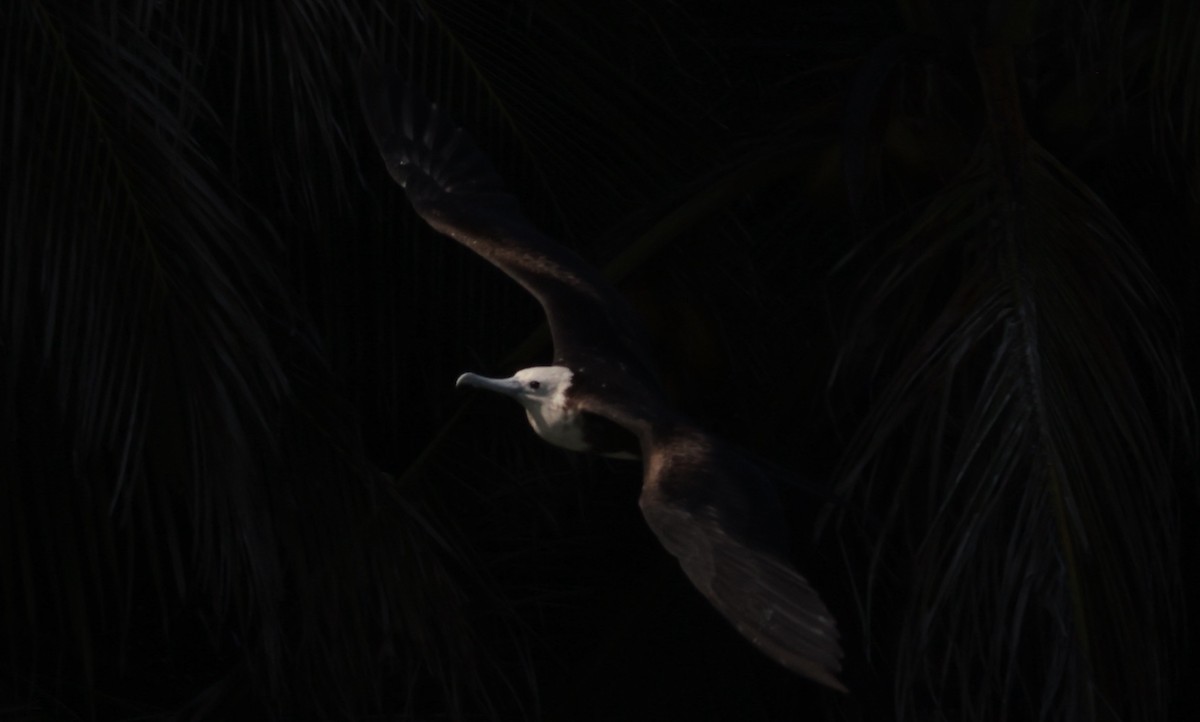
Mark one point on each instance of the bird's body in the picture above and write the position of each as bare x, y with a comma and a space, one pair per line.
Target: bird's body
712, 506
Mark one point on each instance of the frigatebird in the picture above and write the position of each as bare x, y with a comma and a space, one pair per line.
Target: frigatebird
710, 504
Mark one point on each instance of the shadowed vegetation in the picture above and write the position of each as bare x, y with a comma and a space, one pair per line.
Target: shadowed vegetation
928, 256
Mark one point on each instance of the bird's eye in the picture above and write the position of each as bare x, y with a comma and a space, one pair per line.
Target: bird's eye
535, 385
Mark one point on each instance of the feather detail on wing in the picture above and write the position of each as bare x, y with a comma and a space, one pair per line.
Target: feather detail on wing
454, 187
713, 509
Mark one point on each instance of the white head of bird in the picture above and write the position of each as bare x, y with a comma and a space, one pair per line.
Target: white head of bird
542, 390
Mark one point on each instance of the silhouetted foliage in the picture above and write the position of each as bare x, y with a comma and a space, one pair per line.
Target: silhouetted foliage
235, 478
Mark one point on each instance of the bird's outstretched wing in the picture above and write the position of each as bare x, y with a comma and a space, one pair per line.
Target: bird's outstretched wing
455, 188
699, 496
713, 508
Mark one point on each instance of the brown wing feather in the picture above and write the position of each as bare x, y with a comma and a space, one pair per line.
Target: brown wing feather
702, 499
709, 508
454, 187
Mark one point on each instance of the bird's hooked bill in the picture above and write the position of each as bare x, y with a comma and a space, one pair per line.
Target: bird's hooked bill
508, 387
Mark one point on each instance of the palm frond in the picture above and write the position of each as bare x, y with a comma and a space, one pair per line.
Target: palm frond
154, 338
1014, 466
1171, 67
219, 323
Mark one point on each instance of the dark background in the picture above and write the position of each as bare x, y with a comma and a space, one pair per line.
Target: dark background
935, 259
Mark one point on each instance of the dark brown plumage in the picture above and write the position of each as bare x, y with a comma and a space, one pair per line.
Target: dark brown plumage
713, 507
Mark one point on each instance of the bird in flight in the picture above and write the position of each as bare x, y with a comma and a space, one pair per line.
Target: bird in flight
711, 505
